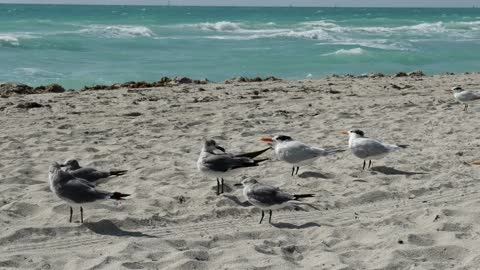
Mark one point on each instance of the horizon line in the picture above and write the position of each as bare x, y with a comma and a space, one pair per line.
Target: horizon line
233, 6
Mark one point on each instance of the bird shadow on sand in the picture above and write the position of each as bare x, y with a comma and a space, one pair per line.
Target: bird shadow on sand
106, 227
314, 175
284, 225
393, 171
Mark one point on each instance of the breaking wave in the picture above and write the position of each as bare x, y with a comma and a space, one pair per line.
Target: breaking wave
118, 31
354, 51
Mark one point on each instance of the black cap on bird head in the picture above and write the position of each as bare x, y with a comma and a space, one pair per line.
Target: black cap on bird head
211, 145
282, 138
358, 132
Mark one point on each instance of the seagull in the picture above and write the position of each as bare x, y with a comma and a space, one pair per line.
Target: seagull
297, 153
221, 164
366, 148
465, 96
268, 197
76, 191
90, 174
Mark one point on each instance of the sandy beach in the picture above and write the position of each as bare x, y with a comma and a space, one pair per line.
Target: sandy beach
418, 208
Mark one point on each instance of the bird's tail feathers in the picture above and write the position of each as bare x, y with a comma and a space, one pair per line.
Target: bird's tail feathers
299, 196
118, 196
333, 151
403, 146
118, 173
260, 160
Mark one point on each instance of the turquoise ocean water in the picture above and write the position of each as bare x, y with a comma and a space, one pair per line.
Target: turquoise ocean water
85, 45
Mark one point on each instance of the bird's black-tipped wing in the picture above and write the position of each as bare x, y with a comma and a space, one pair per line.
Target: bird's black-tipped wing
224, 163
253, 154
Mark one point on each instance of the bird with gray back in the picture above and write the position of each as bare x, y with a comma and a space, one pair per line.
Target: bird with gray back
465, 96
76, 191
270, 198
215, 162
369, 149
90, 174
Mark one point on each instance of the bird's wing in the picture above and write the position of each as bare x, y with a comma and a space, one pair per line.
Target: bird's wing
81, 191
296, 152
89, 174
369, 147
468, 96
265, 194
225, 162
253, 154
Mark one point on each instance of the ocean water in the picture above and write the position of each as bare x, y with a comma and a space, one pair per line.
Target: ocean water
85, 45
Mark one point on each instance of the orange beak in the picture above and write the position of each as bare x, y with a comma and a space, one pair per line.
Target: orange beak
344, 132
266, 139
475, 163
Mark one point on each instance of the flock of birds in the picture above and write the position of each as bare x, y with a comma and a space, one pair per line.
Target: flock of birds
77, 185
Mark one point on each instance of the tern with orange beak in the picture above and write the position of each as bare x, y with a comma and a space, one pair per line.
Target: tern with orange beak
297, 153
214, 161
465, 96
369, 149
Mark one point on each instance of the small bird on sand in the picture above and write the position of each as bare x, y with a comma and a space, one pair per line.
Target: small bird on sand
369, 149
90, 174
76, 191
465, 96
220, 164
270, 198
297, 153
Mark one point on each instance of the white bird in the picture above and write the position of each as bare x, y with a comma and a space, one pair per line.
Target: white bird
76, 191
369, 149
297, 153
268, 197
219, 164
465, 96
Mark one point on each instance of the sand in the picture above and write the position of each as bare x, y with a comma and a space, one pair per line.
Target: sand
418, 208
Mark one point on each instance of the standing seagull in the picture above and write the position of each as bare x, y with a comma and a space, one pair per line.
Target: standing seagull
89, 174
370, 149
76, 190
268, 197
465, 96
297, 153
221, 164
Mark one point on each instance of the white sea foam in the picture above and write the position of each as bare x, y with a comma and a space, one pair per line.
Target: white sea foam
9, 40
223, 26
36, 72
354, 51
119, 31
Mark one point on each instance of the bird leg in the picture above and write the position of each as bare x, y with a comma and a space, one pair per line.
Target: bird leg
370, 163
263, 214
297, 170
81, 214
218, 187
364, 163
466, 108
222, 185
71, 214
270, 217
293, 170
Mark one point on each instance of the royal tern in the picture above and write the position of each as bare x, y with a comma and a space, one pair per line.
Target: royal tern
89, 174
465, 96
297, 153
268, 197
369, 149
220, 164
76, 191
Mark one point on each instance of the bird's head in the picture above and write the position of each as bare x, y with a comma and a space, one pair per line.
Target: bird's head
356, 133
456, 89
71, 164
211, 146
277, 139
249, 182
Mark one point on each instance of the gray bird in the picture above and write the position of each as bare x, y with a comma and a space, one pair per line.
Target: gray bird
90, 174
369, 149
270, 198
76, 191
220, 164
465, 96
